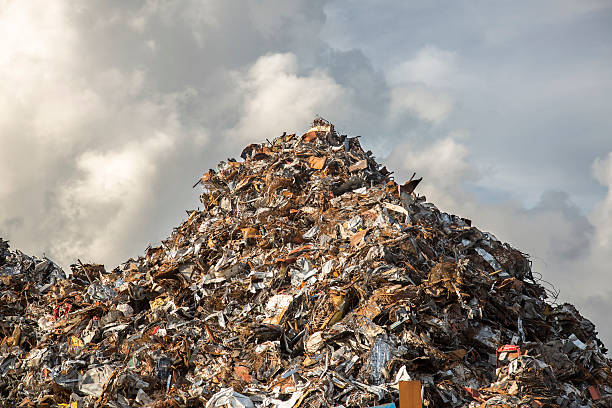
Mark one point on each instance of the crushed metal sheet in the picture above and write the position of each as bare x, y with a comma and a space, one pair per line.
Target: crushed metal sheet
310, 278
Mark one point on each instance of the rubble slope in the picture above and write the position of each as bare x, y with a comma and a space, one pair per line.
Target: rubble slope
309, 278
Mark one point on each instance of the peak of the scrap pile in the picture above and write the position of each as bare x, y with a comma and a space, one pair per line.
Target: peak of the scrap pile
323, 135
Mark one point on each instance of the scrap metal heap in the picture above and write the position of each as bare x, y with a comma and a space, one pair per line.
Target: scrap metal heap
310, 278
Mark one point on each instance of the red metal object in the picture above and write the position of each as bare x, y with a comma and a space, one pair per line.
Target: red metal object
472, 392
507, 352
594, 393
61, 310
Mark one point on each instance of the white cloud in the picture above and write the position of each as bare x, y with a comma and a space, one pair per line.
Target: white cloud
420, 85
276, 97
109, 196
152, 45
80, 163
424, 103
78, 146
430, 66
33, 34
602, 217
444, 164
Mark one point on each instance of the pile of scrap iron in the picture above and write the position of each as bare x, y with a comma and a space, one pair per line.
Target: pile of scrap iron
310, 278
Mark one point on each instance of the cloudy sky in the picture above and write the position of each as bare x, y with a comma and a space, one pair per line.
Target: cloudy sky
109, 111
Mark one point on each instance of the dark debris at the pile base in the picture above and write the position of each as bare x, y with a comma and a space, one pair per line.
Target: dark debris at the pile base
309, 279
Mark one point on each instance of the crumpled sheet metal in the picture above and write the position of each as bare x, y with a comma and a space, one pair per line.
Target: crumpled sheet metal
227, 397
310, 278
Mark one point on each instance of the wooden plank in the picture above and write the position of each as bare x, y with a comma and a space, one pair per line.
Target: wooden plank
410, 394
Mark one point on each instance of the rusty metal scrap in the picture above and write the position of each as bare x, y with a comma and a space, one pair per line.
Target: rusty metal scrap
310, 278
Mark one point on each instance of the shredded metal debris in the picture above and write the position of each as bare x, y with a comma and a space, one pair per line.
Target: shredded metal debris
310, 278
